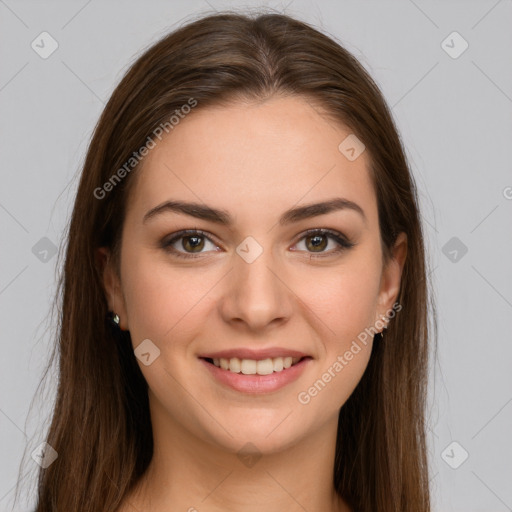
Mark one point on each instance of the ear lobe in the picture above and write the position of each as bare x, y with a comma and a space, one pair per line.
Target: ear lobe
112, 285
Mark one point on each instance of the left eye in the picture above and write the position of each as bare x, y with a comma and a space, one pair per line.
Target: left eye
319, 239
316, 240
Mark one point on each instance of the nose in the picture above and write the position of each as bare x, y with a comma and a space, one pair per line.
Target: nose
257, 295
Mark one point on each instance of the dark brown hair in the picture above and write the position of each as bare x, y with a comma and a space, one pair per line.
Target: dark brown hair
101, 425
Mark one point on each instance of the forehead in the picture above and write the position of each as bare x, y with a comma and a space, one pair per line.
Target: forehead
253, 159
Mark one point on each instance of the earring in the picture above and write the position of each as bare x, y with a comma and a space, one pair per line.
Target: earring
385, 320
113, 318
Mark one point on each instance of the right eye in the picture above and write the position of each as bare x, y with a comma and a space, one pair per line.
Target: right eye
191, 240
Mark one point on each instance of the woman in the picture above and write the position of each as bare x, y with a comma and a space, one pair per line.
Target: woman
247, 219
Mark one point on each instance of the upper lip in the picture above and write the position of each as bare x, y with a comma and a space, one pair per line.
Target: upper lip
248, 353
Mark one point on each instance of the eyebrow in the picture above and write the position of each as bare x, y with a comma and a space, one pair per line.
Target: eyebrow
224, 218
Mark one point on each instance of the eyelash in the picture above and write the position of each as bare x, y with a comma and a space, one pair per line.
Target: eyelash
344, 243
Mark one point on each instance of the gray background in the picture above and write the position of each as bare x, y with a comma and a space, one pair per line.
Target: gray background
454, 115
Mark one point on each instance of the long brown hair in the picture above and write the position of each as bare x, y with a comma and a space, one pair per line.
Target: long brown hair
101, 424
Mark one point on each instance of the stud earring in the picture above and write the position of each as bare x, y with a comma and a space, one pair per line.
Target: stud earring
114, 319
385, 320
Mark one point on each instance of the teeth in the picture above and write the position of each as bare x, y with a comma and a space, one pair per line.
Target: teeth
234, 365
265, 367
278, 364
248, 366
253, 367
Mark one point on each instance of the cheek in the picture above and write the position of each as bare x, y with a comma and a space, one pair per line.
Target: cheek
161, 300
344, 299
346, 305
344, 302
336, 382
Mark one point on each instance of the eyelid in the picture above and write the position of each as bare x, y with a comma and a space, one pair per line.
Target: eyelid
343, 241
167, 242
333, 233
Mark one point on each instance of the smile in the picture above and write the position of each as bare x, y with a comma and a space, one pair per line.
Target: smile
253, 366
256, 376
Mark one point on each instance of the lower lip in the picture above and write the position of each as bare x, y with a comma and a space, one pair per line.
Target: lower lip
258, 383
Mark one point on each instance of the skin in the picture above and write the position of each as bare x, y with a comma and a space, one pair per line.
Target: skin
254, 160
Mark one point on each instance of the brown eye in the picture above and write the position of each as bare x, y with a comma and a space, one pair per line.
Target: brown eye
192, 243
317, 241
188, 244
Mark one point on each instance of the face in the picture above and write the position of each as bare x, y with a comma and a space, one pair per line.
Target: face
250, 281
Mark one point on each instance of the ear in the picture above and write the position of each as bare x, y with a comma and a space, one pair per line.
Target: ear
391, 277
112, 285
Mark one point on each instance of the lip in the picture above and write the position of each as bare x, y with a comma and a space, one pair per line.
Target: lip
257, 384
247, 353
